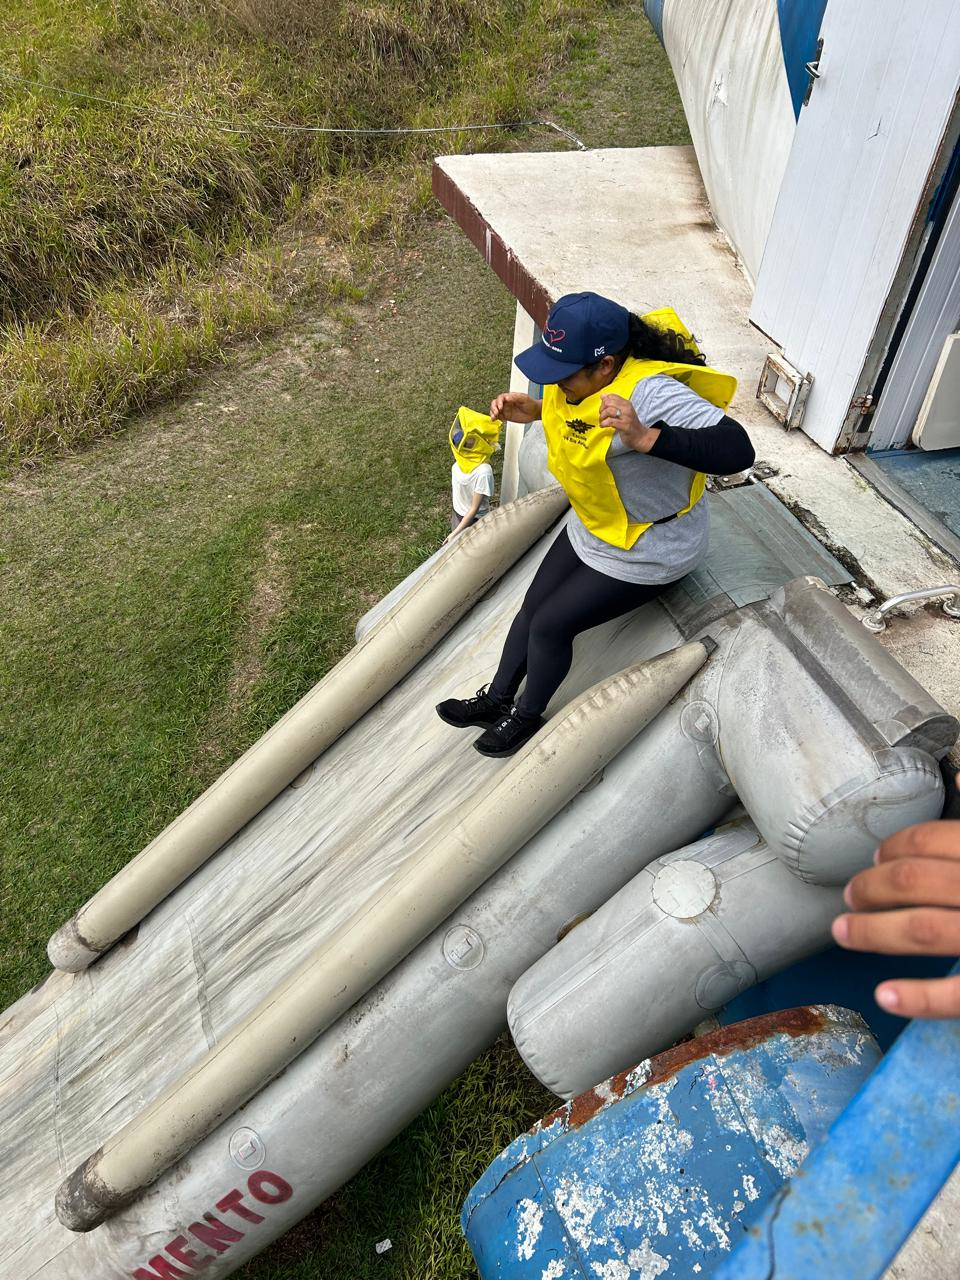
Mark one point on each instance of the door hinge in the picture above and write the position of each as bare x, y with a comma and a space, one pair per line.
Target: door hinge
862, 405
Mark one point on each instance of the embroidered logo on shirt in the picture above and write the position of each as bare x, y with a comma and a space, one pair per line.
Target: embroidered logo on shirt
578, 425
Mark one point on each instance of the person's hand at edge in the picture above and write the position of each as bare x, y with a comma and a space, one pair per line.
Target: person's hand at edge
908, 903
515, 406
619, 413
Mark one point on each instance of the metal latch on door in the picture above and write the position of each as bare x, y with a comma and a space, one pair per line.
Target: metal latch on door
812, 68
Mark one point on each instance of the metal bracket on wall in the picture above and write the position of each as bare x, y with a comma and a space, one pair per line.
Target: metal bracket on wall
783, 390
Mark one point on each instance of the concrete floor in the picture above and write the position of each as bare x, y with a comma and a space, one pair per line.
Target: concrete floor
635, 224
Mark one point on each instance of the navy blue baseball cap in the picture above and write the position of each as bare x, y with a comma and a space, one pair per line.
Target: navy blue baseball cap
580, 328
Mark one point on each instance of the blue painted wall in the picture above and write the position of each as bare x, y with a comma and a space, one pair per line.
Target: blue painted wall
799, 27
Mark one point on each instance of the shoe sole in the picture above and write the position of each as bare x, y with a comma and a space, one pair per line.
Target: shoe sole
469, 724
497, 755
504, 751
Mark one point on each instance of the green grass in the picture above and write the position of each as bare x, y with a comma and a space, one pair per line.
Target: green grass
138, 570
118, 224
172, 588
617, 88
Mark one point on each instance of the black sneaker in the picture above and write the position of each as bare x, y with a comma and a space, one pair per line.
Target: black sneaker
465, 713
509, 733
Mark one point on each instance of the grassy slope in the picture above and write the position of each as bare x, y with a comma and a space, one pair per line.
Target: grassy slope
171, 591
137, 241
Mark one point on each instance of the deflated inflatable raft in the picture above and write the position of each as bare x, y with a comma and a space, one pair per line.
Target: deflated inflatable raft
386, 986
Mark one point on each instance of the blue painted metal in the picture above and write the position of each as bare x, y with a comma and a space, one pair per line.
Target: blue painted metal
663, 1169
848, 978
799, 28
654, 11
860, 1194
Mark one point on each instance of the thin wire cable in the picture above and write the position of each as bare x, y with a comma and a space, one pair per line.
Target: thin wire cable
266, 126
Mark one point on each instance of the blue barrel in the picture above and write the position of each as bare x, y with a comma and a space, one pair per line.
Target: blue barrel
662, 1170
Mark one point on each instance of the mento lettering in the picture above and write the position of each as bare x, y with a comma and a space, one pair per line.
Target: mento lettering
263, 1186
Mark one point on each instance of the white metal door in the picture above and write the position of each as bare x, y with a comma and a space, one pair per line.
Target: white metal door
860, 169
935, 315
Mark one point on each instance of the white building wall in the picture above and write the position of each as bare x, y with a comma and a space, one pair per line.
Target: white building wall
857, 179
728, 62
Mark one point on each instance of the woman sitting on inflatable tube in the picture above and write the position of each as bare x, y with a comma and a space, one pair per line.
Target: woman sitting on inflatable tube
634, 422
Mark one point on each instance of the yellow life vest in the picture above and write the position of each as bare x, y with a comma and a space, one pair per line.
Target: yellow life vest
577, 445
473, 438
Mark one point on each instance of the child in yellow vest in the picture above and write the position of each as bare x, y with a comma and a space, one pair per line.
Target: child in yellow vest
473, 440
634, 420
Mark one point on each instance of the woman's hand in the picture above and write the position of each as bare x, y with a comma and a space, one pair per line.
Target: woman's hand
515, 406
908, 903
620, 414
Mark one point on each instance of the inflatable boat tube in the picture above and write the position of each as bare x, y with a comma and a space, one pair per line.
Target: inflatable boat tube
830, 746
470, 565
495, 822
852, 740
367, 1077
683, 938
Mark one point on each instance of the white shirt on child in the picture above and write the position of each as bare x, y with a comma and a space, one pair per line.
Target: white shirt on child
467, 483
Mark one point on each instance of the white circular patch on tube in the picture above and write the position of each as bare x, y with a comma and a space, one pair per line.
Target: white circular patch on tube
247, 1149
684, 890
462, 947
699, 721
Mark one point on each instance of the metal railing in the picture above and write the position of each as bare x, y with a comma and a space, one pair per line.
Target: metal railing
876, 620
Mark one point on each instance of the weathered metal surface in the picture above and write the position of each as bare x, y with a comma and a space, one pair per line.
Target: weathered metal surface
663, 1169
860, 1194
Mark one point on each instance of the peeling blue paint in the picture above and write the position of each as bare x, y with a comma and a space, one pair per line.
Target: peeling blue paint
860, 1194
667, 1173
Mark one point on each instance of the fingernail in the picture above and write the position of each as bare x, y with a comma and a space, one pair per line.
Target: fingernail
876, 856
841, 929
847, 895
887, 997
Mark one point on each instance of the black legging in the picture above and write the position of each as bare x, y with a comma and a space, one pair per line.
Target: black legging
565, 597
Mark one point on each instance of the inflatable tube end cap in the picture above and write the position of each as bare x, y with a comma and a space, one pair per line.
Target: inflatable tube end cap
84, 1200
68, 950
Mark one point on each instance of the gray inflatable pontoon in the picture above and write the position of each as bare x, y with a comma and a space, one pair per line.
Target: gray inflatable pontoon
297, 989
